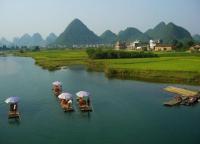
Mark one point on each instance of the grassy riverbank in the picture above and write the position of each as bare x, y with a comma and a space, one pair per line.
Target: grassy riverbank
169, 67
55, 59
163, 69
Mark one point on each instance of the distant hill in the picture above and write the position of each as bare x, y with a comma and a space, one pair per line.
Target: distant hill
169, 32
27, 40
51, 38
132, 34
196, 38
109, 37
37, 40
5, 42
77, 33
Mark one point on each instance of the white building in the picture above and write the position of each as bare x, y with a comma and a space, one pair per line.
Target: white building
152, 44
134, 45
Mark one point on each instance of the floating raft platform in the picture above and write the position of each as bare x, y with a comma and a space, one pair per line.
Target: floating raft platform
172, 102
13, 115
57, 93
66, 109
185, 96
181, 91
71, 109
86, 109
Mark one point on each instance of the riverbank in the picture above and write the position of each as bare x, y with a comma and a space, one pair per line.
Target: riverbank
55, 59
169, 67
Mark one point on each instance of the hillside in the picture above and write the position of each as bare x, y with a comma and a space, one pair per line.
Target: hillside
132, 34
109, 37
169, 32
51, 38
76, 34
196, 38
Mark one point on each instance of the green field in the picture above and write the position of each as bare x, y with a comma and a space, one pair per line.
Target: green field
55, 59
169, 67
163, 69
187, 64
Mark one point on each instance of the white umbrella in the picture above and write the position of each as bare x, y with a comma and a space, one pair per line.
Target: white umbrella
13, 99
57, 83
65, 96
83, 94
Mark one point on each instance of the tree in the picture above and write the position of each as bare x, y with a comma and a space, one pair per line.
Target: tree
21, 51
174, 42
179, 46
37, 48
190, 43
4, 47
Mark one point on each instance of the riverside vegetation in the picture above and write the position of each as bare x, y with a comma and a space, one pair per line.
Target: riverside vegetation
170, 67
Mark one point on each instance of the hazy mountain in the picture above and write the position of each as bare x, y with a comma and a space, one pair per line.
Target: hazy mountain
15, 40
109, 37
196, 37
77, 33
4, 41
25, 40
37, 40
169, 32
132, 34
51, 38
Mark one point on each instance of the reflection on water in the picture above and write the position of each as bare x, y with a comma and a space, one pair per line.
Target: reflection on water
14, 121
8, 66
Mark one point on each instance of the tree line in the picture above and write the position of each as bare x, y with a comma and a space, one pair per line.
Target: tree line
113, 54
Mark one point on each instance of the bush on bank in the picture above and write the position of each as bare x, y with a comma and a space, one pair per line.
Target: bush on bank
113, 54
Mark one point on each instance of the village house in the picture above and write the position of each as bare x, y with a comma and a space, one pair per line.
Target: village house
120, 45
163, 47
138, 46
195, 48
133, 45
153, 43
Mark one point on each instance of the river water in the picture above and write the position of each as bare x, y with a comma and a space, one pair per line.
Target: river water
128, 112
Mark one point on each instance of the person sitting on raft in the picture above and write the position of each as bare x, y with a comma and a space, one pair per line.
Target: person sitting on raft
82, 102
13, 107
66, 104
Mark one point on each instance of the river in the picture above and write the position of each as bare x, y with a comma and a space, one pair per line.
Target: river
125, 111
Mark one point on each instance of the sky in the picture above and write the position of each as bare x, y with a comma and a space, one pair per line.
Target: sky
18, 17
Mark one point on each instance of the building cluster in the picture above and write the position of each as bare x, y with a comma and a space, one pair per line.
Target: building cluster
195, 48
139, 46
91, 45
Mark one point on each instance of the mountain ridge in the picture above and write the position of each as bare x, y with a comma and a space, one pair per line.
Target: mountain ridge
77, 33
169, 32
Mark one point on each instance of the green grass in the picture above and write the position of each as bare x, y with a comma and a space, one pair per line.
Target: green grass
163, 63
55, 59
180, 67
175, 67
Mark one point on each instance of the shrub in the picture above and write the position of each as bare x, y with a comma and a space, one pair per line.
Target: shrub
113, 54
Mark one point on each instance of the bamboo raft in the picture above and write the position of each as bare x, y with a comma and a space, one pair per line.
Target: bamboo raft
13, 115
181, 91
85, 109
71, 109
56, 93
67, 109
173, 102
185, 96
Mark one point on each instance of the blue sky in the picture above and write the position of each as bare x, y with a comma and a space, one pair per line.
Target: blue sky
45, 16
